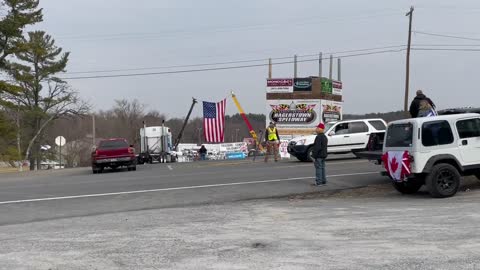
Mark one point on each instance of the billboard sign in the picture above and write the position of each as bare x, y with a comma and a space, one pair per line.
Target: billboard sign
294, 114
279, 85
327, 86
331, 111
337, 87
302, 84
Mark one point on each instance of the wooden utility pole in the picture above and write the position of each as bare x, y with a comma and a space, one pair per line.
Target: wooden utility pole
93, 130
295, 66
269, 68
407, 73
320, 56
330, 75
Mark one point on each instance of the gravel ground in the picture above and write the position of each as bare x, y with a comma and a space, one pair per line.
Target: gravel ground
367, 228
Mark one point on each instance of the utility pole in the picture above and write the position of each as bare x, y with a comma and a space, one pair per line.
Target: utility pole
339, 69
269, 68
295, 66
19, 149
320, 66
407, 73
199, 136
330, 75
93, 130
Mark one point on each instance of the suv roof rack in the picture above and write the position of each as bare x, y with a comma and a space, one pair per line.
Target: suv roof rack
459, 111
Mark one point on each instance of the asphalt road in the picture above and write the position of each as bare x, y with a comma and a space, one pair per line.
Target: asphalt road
74, 193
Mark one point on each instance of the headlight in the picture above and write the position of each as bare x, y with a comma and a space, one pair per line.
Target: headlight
301, 142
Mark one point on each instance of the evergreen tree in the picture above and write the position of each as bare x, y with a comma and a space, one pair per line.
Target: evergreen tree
42, 96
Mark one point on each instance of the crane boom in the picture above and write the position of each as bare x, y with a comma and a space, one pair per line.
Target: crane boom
245, 119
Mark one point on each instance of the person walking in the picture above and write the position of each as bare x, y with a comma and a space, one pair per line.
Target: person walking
320, 154
203, 152
426, 110
272, 141
415, 105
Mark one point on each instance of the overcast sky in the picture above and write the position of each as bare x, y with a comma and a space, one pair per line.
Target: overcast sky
126, 34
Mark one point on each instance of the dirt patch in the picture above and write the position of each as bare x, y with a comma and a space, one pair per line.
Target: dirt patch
384, 190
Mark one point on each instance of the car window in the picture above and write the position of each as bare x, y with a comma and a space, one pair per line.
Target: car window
341, 129
378, 125
399, 135
114, 144
436, 133
468, 128
358, 127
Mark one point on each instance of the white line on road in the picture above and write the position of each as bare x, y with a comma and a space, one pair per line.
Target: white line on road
170, 167
176, 188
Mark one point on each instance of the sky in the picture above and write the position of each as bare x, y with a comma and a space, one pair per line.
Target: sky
125, 34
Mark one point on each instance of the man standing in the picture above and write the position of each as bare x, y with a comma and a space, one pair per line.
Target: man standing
320, 154
415, 105
272, 140
203, 152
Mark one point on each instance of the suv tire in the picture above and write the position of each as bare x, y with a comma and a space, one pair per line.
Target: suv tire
443, 181
408, 187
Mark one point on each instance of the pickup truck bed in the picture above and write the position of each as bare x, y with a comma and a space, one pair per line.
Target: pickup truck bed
374, 149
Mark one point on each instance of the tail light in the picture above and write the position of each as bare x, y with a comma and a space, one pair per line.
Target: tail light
95, 153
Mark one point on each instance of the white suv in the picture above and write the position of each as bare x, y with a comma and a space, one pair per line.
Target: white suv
343, 137
440, 150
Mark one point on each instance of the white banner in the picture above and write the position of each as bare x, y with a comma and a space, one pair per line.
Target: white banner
279, 85
337, 88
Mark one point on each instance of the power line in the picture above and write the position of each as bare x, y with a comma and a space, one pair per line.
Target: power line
230, 62
221, 68
446, 49
173, 33
445, 36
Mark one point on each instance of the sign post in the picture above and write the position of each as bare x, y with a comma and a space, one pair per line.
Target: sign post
60, 141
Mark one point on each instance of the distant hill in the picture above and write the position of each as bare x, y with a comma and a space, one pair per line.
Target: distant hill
388, 116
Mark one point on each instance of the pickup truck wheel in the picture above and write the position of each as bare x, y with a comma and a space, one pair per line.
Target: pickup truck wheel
443, 181
409, 187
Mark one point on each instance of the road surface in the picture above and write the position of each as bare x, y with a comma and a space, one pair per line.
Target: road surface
77, 192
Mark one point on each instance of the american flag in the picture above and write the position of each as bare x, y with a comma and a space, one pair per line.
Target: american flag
214, 121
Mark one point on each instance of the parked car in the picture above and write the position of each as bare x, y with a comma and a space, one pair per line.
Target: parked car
439, 151
344, 137
113, 153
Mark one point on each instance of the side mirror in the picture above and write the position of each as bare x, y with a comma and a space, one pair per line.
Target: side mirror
331, 133
131, 145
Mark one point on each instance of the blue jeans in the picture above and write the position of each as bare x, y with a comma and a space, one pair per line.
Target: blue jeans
320, 176
203, 156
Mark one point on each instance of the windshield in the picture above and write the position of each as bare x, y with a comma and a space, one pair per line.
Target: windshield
328, 126
113, 144
399, 135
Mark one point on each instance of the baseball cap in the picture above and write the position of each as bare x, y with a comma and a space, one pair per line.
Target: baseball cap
321, 125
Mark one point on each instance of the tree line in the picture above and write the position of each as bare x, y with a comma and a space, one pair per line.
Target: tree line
32, 95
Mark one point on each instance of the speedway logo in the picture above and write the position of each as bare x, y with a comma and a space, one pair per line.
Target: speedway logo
293, 114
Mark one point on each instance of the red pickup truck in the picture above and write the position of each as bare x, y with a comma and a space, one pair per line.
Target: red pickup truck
113, 153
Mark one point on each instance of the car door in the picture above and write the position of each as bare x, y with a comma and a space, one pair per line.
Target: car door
359, 133
339, 138
469, 140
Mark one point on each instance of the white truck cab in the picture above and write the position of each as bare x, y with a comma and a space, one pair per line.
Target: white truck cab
343, 137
